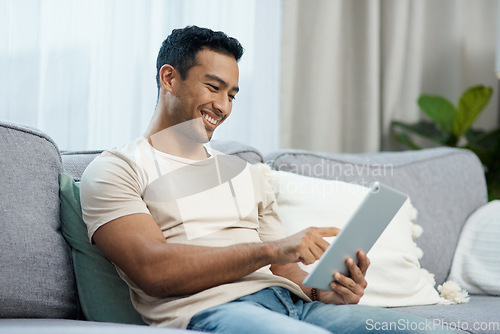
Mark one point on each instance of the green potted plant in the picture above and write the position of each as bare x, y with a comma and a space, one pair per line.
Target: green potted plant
452, 126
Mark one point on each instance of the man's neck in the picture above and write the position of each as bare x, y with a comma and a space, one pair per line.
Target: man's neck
172, 143
175, 139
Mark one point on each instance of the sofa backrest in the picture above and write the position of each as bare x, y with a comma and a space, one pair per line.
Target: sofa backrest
445, 185
36, 276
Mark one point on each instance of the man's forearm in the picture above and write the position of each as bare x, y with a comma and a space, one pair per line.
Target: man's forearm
178, 269
137, 246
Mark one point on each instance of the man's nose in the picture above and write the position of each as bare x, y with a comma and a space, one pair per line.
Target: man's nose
222, 104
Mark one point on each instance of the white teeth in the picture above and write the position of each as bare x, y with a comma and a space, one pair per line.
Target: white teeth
210, 119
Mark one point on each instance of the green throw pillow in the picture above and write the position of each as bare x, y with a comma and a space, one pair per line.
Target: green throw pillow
103, 295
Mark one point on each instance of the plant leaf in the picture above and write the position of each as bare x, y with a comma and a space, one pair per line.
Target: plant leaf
405, 139
471, 103
424, 129
486, 145
439, 110
482, 137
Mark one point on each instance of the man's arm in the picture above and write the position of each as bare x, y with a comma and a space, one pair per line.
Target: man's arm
137, 246
346, 290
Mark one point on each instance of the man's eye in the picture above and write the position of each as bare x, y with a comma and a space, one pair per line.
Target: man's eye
213, 87
231, 97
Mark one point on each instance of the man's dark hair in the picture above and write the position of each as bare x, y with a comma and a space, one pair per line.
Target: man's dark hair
181, 47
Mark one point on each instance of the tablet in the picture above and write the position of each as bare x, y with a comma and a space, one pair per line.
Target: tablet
362, 230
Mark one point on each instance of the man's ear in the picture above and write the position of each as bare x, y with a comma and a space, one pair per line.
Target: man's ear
168, 77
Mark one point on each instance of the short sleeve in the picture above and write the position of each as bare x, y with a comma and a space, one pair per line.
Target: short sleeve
110, 188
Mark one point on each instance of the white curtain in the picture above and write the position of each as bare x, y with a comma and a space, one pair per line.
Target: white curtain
83, 71
349, 67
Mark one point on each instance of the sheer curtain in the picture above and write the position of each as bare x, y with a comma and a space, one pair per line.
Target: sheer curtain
350, 67
83, 71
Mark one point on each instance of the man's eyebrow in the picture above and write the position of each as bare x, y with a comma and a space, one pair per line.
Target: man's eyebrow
222, 82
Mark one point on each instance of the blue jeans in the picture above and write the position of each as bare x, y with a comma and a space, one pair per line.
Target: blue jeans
276, 310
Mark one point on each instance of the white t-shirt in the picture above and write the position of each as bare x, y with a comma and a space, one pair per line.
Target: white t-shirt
218, 201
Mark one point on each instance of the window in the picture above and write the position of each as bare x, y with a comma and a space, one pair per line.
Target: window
84, 71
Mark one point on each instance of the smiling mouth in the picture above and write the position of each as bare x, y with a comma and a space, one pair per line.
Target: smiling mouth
210, 119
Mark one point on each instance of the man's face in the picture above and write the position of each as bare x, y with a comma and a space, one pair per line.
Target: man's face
204, 99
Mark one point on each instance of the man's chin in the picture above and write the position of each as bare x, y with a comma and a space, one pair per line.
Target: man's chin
207, 136
205, 140
193, 130
201, 137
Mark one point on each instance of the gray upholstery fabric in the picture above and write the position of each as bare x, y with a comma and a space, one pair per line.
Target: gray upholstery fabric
445, 185
480, 315
243, 151
75, 162
36, 276
53, 326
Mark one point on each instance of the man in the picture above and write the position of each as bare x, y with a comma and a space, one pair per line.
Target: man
195, 234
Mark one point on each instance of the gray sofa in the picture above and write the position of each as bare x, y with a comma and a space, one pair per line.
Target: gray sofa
38, 292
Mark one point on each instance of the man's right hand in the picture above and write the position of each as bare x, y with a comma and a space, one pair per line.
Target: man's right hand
306, 246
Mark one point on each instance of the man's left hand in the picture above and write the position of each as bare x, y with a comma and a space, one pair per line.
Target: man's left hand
347, 290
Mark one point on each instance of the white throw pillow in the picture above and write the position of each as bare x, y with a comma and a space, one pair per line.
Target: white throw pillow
475, 265
394, 276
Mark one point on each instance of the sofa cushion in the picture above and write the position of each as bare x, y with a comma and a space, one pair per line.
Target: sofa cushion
103, 295
36, 278
475, 265
61, 326
480, 315
446, 185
